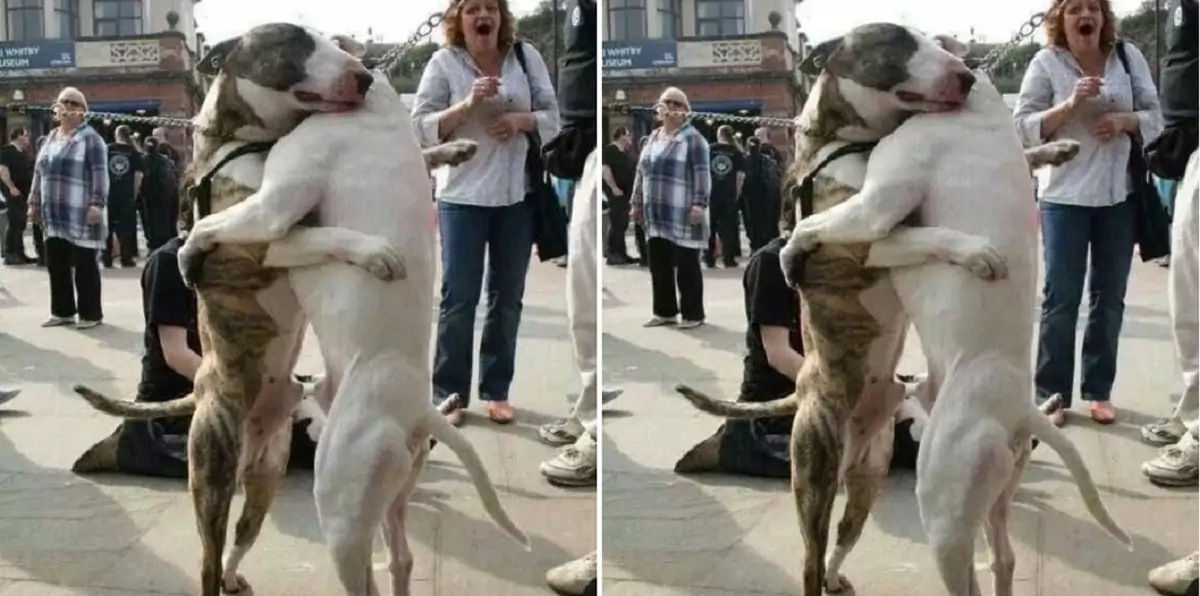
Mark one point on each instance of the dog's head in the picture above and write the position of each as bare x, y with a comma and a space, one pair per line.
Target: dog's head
280, 72
880, 73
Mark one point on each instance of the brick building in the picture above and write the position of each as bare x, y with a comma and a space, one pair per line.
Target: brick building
729, 56
127, 56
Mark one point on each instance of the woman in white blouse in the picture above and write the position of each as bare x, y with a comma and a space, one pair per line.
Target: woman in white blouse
1078, 88
476, 88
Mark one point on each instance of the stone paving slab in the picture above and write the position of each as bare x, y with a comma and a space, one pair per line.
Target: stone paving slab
64, 535
667, 535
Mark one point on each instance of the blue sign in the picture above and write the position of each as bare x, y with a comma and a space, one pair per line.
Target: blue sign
645, 54
20, 55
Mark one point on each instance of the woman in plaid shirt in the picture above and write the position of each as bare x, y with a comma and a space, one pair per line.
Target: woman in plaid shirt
69, 195
670, 194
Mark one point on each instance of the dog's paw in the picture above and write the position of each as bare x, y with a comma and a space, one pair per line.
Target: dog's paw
1054, 153
191, 262
380, 258
236, 584
460, 151
838, 584
985, 261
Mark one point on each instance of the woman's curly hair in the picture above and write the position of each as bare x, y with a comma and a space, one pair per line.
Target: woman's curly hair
452, 24
1056, 24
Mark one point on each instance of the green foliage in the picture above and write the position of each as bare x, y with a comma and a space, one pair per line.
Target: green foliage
537, 28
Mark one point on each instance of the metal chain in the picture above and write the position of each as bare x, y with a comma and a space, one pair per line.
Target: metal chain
424, 30
988, 62
386, 62
1027, 29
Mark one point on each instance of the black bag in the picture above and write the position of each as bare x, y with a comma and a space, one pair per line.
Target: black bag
549, 220
566, 154
1153, 232
1167, 156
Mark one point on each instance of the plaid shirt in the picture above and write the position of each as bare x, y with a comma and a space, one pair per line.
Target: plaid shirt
69, 176
672, 177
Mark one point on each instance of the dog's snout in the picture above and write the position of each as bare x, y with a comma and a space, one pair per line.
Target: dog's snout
363, 81
966, 80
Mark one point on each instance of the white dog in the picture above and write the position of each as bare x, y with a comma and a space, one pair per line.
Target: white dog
374, 335
965, 171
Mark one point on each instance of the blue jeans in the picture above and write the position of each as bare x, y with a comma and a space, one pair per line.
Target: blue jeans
469, 233
1069, 233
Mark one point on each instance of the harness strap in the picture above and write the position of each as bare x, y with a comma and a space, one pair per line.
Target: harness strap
804, 191
202, 192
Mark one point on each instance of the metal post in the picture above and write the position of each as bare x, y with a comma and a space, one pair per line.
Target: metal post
554, 4
1157, 42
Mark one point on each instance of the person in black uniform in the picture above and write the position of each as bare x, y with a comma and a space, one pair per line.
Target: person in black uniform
172, 355
125, 170
727, 166
774, 354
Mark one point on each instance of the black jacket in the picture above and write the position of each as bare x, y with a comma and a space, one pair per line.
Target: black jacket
1178, 79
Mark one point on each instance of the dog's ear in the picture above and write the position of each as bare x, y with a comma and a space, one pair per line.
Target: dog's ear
350, 45
212, 62
952, 45
814, 63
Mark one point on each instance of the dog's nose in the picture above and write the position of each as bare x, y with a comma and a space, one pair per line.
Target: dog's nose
364, 80
966, 80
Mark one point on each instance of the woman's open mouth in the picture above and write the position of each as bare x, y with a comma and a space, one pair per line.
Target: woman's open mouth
483, 28
1087, 28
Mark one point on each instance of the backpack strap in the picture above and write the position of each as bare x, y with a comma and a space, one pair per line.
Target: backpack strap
804, 191
202, 192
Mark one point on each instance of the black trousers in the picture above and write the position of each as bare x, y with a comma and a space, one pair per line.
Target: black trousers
639, 238
764, 226
618, 221
122, 223
675, 267
723, 214
39, 243
74, 273
14, 240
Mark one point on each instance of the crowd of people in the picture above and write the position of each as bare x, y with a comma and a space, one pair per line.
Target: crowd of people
683, 194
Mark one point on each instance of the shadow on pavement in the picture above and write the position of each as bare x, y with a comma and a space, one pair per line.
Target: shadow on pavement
625, 362
20, 359
662, 528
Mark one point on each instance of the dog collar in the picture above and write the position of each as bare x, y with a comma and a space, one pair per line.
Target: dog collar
201, 193
803, 192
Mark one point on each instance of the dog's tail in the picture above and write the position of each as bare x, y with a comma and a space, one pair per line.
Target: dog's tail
784, 406
138, 410
441, 430
1051, 435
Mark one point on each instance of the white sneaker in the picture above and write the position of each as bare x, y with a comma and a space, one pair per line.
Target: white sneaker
1164, 432
575, 464
59, 321
7, 395
1176, 465
1177, 577
573, 578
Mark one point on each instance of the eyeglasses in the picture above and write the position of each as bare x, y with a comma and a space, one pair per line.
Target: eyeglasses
672, 103
70, 103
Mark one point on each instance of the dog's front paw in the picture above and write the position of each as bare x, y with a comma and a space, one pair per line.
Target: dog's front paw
985, 261
459, 151
191, 261
838, 584
380, 258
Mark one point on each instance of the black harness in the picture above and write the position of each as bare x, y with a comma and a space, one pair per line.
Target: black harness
803, 195
202, 191
803, 192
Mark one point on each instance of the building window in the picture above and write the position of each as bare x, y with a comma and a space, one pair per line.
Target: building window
118, 17
720, 17
25, 20
626, 20
67, 12
670, 18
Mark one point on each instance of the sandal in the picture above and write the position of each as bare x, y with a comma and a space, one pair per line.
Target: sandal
500, 412
1103, 412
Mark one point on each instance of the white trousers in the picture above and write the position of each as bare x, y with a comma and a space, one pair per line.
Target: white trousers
582, 285
1184, 281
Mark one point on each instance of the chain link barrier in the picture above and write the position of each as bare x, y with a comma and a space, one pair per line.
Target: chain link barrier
988, 63
387, 62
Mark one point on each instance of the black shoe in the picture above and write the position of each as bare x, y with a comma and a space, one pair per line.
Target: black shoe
128, 264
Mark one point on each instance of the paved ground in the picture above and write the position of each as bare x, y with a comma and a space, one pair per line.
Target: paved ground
65, 535
669, 535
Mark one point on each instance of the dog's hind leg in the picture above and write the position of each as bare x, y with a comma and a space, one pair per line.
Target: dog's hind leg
864, 481
394, 532
362, 459
1004, 561
816, 454
214, 444
268, 445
